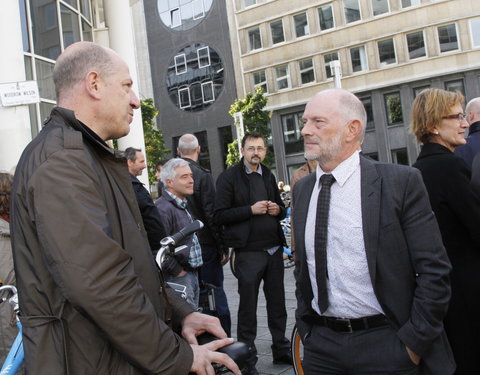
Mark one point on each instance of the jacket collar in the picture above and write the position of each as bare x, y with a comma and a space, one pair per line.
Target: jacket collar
431, 148
474, 128
88, 134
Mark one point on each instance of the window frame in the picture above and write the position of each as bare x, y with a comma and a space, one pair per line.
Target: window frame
411, 5
345, 13
384, 63
477, 19
199, 58
307, 27
172, 19
184, 63
261, 83
320, 20
424, 44
251, 29
183, 89
456, 35
379, 14
203, 84
193, 9
327, 65
387, 112
365, 55
281, 78
277, 21
306, 70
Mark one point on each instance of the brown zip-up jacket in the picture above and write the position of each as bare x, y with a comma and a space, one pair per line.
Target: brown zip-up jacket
91, 297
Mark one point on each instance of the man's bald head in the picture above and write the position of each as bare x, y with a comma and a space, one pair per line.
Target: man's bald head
188, 146
473, 110
77, 61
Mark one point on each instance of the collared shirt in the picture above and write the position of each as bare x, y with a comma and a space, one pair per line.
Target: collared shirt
195, 257
350, 291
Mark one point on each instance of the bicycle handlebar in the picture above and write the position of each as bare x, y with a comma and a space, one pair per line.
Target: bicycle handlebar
178, 237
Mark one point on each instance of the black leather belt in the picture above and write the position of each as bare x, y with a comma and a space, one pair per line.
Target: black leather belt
344, 325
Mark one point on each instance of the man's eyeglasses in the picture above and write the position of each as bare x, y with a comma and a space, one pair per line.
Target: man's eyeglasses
459, 116
252, 149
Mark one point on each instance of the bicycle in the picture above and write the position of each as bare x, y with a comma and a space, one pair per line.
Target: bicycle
16, 354
297, 351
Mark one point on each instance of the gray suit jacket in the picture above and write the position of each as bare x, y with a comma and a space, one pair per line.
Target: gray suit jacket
406, 258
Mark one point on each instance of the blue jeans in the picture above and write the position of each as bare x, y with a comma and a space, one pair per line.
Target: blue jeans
190, 281
211, 272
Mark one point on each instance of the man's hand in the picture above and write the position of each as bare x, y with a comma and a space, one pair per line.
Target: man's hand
260, 208
195, 324
225, 258
204, 355
414, 357
273, 208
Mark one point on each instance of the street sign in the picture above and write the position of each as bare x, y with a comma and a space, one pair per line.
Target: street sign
19, 93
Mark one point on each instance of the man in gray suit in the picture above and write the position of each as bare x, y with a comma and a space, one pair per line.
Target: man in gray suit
371, 271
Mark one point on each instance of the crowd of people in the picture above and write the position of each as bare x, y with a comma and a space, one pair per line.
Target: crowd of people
385, 255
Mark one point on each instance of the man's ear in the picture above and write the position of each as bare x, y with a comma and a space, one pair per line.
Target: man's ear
93, 84
354, 128
198, 150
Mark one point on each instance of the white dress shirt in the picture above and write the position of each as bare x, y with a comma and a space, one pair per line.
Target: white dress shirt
350, 291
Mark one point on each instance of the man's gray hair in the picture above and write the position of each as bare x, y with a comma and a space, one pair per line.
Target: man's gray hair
84, 57
187, 144
169, 169
131, 153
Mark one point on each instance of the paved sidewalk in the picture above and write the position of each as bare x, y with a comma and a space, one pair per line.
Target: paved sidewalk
263, 341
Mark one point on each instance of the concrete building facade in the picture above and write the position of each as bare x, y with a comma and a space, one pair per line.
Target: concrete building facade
33, 34
192, 74
389, 50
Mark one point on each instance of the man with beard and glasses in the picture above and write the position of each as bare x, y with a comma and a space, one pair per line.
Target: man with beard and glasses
372, 275
249, 207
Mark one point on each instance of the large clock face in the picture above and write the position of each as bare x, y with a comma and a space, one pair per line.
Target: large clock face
183, 14
195, 77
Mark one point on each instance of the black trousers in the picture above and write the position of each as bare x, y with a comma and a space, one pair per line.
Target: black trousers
375, 351
251, 268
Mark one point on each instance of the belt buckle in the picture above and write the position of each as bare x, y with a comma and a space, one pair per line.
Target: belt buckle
344, 324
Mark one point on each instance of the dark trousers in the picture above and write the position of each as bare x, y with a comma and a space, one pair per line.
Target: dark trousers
251, 268
211, 272
375, 351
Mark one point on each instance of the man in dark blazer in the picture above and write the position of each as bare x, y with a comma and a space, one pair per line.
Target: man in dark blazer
372, 280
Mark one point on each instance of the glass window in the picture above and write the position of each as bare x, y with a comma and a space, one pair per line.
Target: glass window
307, 73
372, 155
87, 31
400, 156
45, 109
46, 37
367, 103
276, 27
250, 2
73, 3
329, 58
386, 51
208, 94
204, 157
184, 98
292, 127
193, 66
28, 68
393, 106
85, 8
475, 32
70, 26
418, 90
23, 20
45, 79
410, 3
254, 39
447, 37
259, 79
226, 137
180, 64
283, 77
182, 14
352, 10
203, 55
456, 85
301, 25
416, 45
379, 7
359, 59
325, 15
